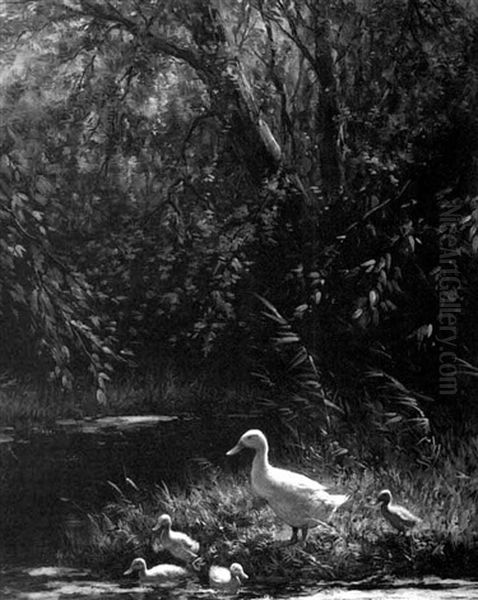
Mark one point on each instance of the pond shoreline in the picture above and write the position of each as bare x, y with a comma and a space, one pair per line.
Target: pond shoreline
103, 483
53, 583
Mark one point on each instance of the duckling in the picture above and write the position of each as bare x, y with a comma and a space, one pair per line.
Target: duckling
160, 574
227, 580
398, 516
177, 543
298, 500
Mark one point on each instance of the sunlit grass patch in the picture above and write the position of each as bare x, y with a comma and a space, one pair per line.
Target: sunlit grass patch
231, 525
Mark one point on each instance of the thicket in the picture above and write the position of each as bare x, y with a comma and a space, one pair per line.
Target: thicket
252, 187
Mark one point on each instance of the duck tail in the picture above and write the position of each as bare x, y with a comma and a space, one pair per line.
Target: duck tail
342, 499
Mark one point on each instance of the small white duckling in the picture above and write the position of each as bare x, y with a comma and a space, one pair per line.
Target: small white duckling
177, 543
160, 574
227, 580
298, 500
398, 516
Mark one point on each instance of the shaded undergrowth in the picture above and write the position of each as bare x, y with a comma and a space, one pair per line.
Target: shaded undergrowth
231, 525
27, 404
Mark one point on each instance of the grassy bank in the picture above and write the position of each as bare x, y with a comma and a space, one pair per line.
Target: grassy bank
219, 510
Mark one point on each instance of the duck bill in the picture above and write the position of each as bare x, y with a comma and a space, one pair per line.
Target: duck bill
128, 571
158, 527
237, 448
244, 576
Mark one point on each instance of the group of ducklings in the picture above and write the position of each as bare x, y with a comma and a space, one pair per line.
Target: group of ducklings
184, 548
299, 501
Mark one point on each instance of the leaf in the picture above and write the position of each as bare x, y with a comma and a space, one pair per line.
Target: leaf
298, 359
474, 244
44, 186
300, 310
373, 298
287, 339
368, 265
274, 313
100, 397
375, 316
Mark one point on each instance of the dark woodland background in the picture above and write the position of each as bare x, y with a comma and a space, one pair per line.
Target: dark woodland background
244, 193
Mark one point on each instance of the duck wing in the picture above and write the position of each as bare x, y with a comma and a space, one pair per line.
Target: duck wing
166, 572
179, 545
186, 543
332, 501
299, 500
219, 576
275, 479
405, 516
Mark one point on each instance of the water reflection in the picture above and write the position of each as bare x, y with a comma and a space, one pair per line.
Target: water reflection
52, 583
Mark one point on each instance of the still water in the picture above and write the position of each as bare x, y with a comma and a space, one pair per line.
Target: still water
44, 475
51, 583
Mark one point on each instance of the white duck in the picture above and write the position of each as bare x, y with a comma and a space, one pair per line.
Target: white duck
298, 500
160, 574
227, 580
398, 516
177, 543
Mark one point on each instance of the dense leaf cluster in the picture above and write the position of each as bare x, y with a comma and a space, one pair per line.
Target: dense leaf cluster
252, 185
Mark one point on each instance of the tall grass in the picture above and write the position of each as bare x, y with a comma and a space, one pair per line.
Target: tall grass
231, 525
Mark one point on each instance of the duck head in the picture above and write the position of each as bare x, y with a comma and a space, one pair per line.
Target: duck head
138, 564
385, 497
238, 572
254, 438
163, 522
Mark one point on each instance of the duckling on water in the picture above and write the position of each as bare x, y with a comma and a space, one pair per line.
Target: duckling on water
163, 573
227, 580
298, 500
398, 516
177, 543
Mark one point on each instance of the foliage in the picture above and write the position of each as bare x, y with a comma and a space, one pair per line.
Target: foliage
47, 304
163, 164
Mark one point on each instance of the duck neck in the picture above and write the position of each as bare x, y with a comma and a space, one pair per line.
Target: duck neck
165, 532
261, 458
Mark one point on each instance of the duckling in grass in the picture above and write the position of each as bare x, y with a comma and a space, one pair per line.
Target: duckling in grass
227, 580
298, 500
177, 543
160, 574
398, 516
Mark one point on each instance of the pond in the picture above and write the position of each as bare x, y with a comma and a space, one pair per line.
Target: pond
46, 476
52, 583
